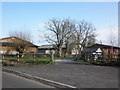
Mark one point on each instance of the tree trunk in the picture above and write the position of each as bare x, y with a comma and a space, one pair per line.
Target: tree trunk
66, 51
60, 52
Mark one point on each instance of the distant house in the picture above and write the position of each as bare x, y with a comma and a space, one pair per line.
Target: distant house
75, 51
47, 49
6, 45
101, 52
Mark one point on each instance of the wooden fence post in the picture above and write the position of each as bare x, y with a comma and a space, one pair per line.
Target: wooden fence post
34, 56
3, 56
18, 57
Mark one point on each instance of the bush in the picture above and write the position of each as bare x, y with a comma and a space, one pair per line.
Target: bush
102, 63
7, 64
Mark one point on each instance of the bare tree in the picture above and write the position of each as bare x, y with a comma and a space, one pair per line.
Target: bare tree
71, 34
61, 30
70, 43
85, 35
21, 41
21, 34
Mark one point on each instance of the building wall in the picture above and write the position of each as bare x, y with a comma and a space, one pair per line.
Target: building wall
111, 53
6, 48
32, 49
10, 48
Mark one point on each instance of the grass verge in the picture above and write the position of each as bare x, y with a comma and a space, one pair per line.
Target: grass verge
11, 61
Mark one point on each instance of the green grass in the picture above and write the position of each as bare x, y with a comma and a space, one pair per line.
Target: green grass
29, 59
36, 59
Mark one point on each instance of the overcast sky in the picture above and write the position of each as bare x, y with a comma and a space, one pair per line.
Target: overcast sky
31, 16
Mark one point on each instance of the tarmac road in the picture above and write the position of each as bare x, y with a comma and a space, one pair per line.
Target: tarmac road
79, 75
13, 81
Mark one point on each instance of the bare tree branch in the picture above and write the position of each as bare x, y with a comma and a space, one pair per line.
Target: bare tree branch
21, 42
61, 30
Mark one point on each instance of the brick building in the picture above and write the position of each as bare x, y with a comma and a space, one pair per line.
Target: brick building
101, 52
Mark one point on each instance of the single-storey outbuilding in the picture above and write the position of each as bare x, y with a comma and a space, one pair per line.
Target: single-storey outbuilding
101, 52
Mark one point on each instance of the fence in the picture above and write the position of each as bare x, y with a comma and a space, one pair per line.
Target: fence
101, 57
27, 56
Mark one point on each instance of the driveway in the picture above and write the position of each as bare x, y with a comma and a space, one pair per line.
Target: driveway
76, 74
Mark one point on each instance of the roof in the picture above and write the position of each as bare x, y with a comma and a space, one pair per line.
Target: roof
48, 47
7, 38
10, 44
94, 47
103, 46
45, 46
15, 38
33, 45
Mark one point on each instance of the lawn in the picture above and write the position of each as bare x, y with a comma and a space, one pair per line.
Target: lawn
35, 59
9, 60
12, 61
28, 59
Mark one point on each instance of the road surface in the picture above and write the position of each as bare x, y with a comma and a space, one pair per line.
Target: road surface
76, 74
13, 81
